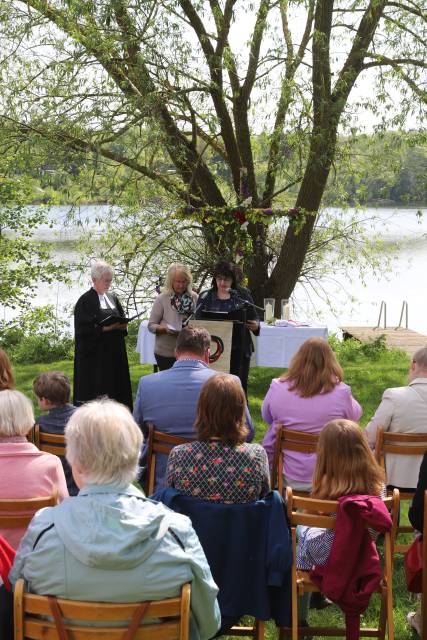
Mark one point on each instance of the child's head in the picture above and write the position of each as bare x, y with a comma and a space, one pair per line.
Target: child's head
345, 464
52, 389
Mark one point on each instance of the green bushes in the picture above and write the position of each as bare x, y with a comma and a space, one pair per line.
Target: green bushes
36, 336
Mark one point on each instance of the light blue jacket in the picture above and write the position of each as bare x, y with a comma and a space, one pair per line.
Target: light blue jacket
169, 400
112, 544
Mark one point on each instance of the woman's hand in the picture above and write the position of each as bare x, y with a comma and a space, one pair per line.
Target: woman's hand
112, 327
252, 325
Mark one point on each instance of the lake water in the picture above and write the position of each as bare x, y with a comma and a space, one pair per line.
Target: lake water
406, 280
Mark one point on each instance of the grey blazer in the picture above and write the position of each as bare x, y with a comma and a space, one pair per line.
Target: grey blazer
404, 410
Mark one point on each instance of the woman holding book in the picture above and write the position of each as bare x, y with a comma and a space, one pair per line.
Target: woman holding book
100, 363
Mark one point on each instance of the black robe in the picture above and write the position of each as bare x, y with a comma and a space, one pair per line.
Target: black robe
100, 360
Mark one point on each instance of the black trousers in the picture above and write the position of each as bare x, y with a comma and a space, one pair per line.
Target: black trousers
163, 362
6, 614
239, 366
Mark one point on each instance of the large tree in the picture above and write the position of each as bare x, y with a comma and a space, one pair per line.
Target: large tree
177, 92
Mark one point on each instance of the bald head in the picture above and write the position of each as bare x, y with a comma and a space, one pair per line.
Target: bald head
419, 364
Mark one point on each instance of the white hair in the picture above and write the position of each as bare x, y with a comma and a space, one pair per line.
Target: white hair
178, 269
104, 440
100, 268
16, 414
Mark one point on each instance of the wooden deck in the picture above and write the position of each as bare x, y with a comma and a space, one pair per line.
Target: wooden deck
405, 339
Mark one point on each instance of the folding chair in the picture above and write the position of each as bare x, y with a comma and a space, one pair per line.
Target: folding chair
320, 513
49, 442
159, 443
17, 514
33, 618
289, 440
408, 444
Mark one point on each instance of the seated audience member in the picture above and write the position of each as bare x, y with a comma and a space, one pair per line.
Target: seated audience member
25, 472
7, 556
416, 518
110, 543
7, 380
52, 389
220, 466
345, 466
305, 398
168, 399
416, 510
403, 410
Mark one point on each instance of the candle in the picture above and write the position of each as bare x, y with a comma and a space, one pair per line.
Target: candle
268, 311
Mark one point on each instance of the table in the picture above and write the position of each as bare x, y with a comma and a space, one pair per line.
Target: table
145, 344
274, 347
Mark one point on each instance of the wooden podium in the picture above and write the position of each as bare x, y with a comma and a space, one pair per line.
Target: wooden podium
221, 332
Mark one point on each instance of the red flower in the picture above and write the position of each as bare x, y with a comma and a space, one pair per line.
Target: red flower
239, 216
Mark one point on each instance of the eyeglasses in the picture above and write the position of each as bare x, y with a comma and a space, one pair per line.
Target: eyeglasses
223, 278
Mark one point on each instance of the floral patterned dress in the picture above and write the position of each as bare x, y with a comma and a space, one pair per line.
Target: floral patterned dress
218, 472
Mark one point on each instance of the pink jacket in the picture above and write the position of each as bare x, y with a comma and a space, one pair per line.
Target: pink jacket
282, 406
26, 472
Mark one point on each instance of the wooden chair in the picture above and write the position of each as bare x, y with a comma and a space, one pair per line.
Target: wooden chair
30, 613
289, 440
407, 444
319, 513
424, 593
50, 442
159, 443
17, 514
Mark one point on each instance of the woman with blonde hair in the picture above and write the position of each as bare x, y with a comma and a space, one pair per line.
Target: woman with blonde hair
306, 397
25, 472
220, 466
7, 381
176, 302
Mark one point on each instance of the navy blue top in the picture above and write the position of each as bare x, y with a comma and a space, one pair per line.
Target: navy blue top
249, 551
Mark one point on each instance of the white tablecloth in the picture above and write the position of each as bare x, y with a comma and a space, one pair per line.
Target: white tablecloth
274, 347
145, 344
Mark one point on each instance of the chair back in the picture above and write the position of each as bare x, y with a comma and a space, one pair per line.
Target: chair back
401, 444
49, 442
424, 593
289, 440
405, 444
17, 514
99, 620
159, 443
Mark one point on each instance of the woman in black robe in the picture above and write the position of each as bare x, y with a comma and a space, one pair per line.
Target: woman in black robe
100, 361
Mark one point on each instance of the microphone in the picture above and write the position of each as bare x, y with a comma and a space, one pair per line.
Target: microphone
230, 290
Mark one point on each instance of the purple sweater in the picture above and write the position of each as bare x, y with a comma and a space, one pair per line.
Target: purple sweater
282, 406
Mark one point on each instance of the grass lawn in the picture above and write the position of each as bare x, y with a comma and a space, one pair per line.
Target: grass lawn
368, 373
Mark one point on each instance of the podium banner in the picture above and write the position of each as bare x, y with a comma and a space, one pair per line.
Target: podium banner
221, 332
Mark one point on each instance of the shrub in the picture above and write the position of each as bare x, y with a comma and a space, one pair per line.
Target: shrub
37, 335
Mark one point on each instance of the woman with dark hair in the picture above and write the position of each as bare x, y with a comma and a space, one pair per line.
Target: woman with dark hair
226, 295
220, 466
7, 381
306, 397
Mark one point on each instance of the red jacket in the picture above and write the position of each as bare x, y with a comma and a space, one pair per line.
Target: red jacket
353, 571
7, 556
